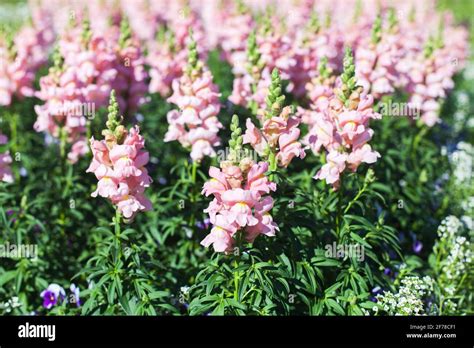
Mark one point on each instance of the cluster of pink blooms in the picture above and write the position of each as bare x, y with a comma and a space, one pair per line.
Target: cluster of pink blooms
241, 203
195, 124
431, 74
18, 68
88, 67
119, 164
344, 133
166, 64
339, 123
16, 79
167, 54
293, 37
5, 161
237, 24
376, 59
279, 133
130, 83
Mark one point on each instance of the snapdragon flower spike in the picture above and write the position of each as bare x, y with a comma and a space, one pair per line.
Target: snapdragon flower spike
119, 164
277, 139
430, 80
250, 86
16, 75
343, 129
195, 124
130, 83
5, 162
241, 201
62, 91
236, 27
376, 62
167, 62
319, 91
310, 47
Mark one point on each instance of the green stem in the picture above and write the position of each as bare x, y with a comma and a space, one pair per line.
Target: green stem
193, 173
361, 191
239, 241
236, 280
339, 208
273, 164
117, 223
62, 144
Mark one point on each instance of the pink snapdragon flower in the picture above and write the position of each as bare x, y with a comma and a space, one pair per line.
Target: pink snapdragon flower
238, 204
279, 133
236, 27
196, 124
62, 111
16, 75
130, 83
119, 164
33, 42
80, 82
342, 128
430, 80
376, 59
242, 200
167, 63
5, 162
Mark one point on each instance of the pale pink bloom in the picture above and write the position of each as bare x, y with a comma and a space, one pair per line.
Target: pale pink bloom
254, 137
74, 91
120, 169
196, 124
221, 235
265, 224
165, 66
130, 83
16, 77
238, 204
331, 171
375, 67
78, 150
257, 181
233, 36
279, 133
361, 154
289, 147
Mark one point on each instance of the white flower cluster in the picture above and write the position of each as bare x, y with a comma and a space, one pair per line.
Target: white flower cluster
455, 255
409, 298
10, 304
449, 227
459, 259
462, 160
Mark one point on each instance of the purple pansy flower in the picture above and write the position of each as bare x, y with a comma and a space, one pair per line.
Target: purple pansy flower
75, 291
52, 295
